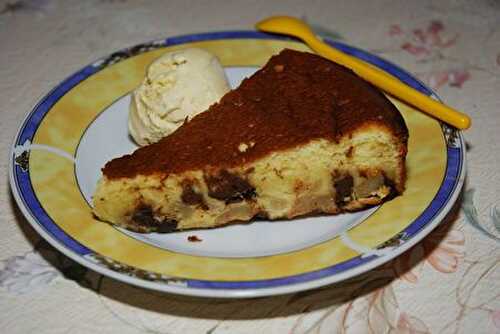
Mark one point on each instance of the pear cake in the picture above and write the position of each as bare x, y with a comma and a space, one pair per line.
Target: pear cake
303, 135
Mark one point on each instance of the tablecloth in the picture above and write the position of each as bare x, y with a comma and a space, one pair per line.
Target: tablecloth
448, 283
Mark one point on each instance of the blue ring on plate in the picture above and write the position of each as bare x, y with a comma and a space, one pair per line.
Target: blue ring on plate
455, 156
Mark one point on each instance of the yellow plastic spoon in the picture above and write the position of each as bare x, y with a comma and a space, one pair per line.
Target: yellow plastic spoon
292, 26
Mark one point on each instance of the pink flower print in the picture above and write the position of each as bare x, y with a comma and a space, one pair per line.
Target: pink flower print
434, 32
420, 35
410, 325
495, 317
438, 79
415, 50
374, 312
454, 78
442, 249
445, 249
458, 77
435, 27
408, 265
425, 42
395, 29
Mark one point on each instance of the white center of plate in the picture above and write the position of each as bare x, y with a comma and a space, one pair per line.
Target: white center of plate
107, 138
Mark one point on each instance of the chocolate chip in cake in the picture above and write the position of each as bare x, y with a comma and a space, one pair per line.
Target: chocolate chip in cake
143, 216
191, 197
146, 221
350, 152
167, 226
229, 187
343, 187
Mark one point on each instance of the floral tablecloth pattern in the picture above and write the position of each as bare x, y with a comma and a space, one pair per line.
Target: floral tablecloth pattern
448, 283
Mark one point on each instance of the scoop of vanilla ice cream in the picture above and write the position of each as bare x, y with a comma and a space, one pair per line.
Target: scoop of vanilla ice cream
177, 86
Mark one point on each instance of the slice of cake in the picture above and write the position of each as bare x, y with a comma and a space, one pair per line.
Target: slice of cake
302, 135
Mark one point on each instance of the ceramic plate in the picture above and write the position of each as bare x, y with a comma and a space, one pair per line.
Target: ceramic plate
82, 123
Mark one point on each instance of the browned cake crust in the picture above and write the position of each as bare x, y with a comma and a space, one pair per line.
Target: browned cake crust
295, 98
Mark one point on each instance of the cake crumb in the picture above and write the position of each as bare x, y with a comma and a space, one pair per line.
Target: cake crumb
279, 68
243, 147
194, 238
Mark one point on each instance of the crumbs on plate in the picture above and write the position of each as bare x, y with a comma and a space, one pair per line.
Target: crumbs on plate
194, 238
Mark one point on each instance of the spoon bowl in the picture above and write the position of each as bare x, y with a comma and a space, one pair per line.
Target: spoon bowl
286, 25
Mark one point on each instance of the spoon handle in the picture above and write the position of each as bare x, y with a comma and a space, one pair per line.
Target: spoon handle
392, 85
